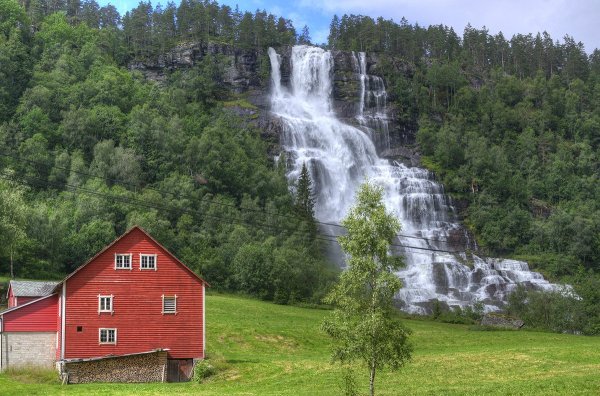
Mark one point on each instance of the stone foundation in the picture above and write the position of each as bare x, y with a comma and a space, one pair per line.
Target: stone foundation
147, 367
22, 349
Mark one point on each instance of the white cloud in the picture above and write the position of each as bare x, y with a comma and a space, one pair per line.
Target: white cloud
559, 17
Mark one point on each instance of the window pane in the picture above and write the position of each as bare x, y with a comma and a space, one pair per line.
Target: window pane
122, 261
147, 262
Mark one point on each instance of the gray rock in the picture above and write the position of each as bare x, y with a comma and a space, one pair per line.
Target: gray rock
242, 74
501, 321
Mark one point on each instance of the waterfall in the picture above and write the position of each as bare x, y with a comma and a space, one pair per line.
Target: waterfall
340, 157
371, 112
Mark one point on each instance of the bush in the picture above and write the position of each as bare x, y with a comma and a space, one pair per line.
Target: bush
202, 370
558, 311
458, 315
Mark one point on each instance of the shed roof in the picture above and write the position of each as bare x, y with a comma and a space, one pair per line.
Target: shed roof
77, 360
32, 288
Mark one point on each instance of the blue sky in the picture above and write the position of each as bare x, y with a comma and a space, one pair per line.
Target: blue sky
579, 18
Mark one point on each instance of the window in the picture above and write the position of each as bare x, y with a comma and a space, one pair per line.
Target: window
108, 336
169, 304
123, 261
105, 304
148, 261
79, 329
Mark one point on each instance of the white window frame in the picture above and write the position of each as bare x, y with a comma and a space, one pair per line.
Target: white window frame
107, 336
174, 312
124, 255
149, 268
111, 300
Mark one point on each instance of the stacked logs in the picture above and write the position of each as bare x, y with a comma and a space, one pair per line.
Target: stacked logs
148, 367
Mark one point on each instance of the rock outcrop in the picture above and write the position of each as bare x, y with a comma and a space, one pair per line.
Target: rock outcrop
241, 75
502, 321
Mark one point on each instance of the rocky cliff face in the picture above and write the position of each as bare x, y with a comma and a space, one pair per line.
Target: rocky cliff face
247, 72
241, 75
346, 90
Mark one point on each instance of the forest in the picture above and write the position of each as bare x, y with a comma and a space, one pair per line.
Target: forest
511, 126
88, 149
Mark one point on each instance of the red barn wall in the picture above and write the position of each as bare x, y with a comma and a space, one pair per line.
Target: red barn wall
25, 300
137, 304
37, 317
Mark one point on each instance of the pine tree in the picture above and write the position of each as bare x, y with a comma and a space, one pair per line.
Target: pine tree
334, 31
305, 202
304, 37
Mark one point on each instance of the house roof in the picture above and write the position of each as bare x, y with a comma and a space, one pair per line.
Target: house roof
32, 288
117, 240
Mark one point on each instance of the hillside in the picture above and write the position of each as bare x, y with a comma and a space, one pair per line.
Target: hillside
266, 349
155, 118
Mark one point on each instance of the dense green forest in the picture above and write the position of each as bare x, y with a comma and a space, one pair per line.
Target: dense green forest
89, 148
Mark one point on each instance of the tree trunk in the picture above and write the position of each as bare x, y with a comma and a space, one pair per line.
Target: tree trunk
372, 379
12, 272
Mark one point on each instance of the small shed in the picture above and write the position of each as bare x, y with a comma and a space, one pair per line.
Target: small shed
22, 292
28, 334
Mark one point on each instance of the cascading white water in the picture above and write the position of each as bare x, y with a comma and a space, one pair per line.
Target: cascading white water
340, 157
372, 103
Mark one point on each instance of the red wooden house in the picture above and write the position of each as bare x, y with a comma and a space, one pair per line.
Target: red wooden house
133, 312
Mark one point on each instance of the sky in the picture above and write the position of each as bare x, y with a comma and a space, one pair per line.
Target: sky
577, 18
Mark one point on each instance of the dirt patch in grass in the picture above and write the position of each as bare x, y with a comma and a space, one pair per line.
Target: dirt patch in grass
278, 341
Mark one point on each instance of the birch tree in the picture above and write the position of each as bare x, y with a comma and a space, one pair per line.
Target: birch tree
364, 324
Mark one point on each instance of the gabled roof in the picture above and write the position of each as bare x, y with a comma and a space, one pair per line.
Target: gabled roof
32, 288
117, 240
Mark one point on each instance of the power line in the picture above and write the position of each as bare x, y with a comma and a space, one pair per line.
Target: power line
178, 196
409, 247
139, 203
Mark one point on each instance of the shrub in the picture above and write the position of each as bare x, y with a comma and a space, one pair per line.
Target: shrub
558, 311
202, 370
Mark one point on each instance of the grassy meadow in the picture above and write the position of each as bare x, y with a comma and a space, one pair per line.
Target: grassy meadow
260, 348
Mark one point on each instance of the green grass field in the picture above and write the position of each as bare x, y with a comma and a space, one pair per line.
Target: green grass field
266, 349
